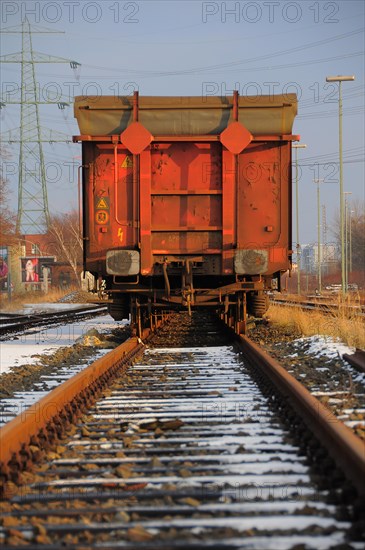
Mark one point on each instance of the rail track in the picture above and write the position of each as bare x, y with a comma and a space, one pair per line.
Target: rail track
12, 323
202, 442
318, 303
356, 359
40, 359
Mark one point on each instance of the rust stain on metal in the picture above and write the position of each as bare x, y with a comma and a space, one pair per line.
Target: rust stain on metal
192, 190
344, 446
42, 421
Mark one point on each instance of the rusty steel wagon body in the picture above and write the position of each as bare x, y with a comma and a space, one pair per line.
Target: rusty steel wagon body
187, 200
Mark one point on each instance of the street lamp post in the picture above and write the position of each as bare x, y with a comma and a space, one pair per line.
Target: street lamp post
318, 181
347, 193
341, 79
297, 146
351, 212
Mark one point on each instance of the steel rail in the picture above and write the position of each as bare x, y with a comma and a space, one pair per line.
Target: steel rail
325, 307
8, 324
344, 446
43, 423
356, 359
10, 318
171, 458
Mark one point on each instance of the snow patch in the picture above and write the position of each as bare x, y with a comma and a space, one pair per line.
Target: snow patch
26, 349
324, 346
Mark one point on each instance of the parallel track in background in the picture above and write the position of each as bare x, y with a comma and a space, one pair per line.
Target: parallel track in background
188, 448
330, 308
13, 323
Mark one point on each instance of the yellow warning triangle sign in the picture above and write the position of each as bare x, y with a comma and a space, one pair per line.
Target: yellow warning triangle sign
127, 162
102, 203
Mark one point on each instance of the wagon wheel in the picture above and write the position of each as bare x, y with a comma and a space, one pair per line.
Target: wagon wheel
259, 304
119, 308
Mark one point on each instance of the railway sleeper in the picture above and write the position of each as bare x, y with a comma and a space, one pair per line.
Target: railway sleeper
181, 500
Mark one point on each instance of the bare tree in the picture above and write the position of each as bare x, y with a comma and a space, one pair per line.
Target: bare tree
67, 240
357, 220
358, 236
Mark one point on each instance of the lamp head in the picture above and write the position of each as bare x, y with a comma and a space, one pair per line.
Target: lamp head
339, 78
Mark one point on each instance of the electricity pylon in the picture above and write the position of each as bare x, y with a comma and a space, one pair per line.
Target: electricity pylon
33, 212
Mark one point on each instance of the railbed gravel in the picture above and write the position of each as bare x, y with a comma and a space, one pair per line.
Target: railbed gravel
334, 382
110, 510
338, 385
28, 377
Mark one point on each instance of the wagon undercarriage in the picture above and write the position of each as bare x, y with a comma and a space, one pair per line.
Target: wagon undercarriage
233, 302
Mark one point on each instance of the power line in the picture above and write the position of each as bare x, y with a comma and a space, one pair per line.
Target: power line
231, 63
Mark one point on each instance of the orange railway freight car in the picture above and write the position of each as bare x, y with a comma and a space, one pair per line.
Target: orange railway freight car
187, 200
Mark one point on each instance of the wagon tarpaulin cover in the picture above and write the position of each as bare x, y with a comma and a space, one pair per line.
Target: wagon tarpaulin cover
107, 115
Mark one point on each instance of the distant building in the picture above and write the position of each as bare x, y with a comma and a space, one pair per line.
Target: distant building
35, 265
309, 258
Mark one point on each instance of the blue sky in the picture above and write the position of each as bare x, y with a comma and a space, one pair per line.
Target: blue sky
194, 48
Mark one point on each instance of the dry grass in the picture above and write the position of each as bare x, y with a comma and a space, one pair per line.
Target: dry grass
342, 324
19, 299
